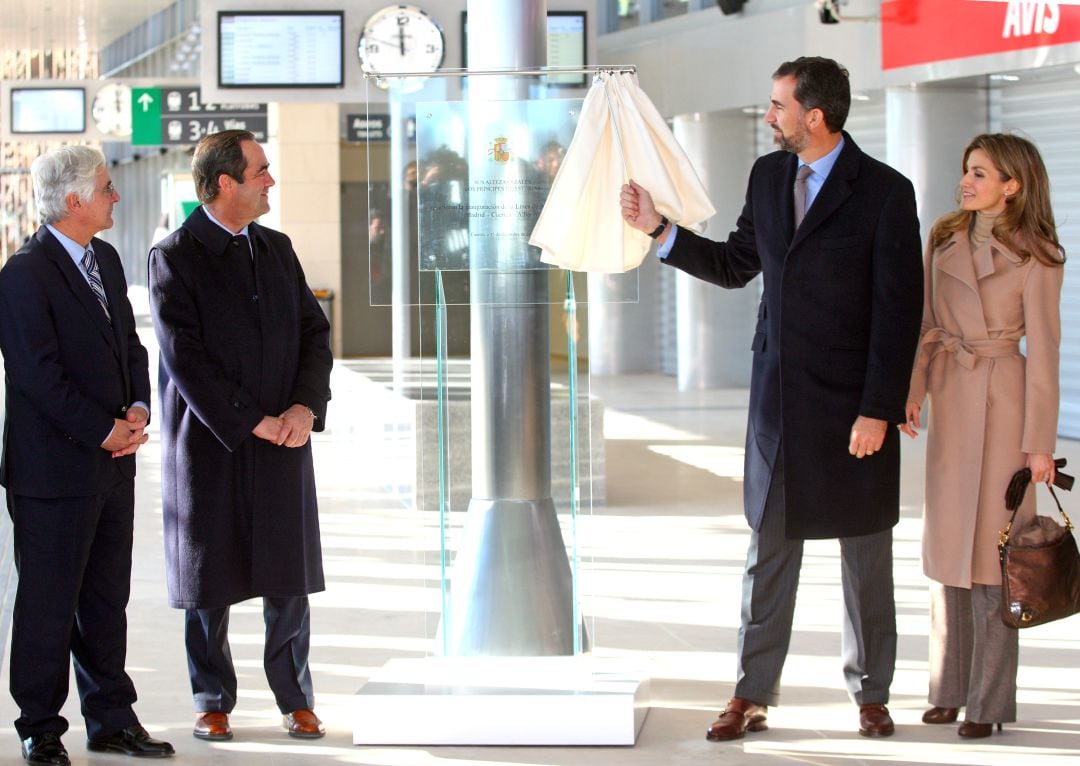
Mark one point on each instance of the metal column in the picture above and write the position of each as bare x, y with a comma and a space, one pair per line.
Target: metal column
511, 583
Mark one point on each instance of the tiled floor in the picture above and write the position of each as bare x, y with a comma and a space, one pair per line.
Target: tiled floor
660, 570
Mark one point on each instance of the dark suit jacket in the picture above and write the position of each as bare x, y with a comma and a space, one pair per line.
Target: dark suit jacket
69, 373
836, 334
240, 338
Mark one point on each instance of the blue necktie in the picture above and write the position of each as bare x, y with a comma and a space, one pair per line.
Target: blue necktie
89, 263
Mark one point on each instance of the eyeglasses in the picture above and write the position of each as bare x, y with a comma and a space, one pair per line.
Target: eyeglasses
109, 190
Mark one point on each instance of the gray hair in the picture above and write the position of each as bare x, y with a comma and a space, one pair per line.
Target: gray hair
60, 172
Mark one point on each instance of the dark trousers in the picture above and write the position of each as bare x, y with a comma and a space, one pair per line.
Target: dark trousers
73, 556
285, 655
770, 582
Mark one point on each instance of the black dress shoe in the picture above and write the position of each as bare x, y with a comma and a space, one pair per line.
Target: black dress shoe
45, 748
131, 741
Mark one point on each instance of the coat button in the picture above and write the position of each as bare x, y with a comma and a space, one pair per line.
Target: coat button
254, 297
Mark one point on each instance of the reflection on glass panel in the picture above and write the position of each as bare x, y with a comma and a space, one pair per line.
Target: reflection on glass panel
673, 8
484, 170
453, 184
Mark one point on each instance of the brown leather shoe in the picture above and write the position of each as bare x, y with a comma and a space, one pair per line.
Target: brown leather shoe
303, 724
213, 725
972, 730
875, 721
740, 716
940, 714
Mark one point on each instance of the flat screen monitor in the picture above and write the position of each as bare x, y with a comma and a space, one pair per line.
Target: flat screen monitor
281, 49
565, 45
48, 110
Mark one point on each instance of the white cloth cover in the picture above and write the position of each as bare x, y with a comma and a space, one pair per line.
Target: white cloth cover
619, 135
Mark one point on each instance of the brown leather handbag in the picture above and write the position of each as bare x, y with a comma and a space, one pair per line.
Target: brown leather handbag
1040, 564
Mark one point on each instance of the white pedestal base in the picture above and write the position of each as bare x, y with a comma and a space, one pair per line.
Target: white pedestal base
501, 701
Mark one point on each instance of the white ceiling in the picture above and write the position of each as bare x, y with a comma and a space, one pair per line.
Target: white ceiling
69, 24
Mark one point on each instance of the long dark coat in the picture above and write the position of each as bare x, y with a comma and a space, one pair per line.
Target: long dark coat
240, 338
836, 335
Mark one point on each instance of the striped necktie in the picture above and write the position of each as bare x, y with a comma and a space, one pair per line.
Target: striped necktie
93, 275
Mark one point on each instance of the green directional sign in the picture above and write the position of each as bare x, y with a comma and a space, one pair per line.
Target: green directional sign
145, 116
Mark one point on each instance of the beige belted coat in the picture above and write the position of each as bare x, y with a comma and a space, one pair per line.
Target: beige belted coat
989, 406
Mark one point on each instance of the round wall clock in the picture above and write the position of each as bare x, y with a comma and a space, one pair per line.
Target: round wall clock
111, 109
400, 38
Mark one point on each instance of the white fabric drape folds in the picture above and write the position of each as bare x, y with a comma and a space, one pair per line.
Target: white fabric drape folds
619, 135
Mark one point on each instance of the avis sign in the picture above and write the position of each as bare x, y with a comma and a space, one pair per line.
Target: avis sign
926, 31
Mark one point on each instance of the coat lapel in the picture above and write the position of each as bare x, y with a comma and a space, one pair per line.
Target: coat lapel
954, 258
55, 252
115, 284
783, 188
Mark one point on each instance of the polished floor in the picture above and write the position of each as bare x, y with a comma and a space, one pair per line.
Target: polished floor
660, 568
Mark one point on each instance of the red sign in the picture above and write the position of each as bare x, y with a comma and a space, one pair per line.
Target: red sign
925, 31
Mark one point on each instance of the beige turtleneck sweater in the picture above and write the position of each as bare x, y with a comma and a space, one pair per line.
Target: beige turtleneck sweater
983, 228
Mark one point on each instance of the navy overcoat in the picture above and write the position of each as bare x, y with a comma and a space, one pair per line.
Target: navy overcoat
241, 337
837, 328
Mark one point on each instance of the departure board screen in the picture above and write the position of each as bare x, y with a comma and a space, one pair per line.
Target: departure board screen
565, 45
48, 110
281, 49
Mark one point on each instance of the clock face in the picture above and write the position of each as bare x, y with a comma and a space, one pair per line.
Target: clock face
112, 110
400, 38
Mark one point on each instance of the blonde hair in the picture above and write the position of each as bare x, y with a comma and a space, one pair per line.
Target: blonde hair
1027, 226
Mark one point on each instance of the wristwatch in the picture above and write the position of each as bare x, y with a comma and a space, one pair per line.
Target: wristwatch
655, 233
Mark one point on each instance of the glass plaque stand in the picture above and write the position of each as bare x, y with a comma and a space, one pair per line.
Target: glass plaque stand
509, 454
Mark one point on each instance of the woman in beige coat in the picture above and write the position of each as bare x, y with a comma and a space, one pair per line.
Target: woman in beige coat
993, 277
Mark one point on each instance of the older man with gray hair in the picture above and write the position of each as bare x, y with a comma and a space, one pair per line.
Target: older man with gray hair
77, 387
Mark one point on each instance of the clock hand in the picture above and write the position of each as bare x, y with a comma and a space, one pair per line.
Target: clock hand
380, 41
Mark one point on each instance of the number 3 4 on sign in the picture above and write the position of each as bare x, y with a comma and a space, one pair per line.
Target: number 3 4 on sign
178, 117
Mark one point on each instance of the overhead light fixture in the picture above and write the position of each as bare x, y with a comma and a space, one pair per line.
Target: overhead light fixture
829, 12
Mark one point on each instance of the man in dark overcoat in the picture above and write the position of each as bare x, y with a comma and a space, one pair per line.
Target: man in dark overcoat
244, 379
835, 236
77, 395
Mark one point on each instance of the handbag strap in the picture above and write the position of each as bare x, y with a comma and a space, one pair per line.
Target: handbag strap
1014, 496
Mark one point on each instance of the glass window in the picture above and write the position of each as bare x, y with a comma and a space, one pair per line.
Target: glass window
673, 7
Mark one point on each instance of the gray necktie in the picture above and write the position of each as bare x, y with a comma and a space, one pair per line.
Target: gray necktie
93, 275
800, 193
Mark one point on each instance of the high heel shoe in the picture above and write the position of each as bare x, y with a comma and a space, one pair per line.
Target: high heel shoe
972, 730
940, 714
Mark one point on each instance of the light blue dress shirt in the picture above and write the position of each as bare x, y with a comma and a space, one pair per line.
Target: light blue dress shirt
73, 248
